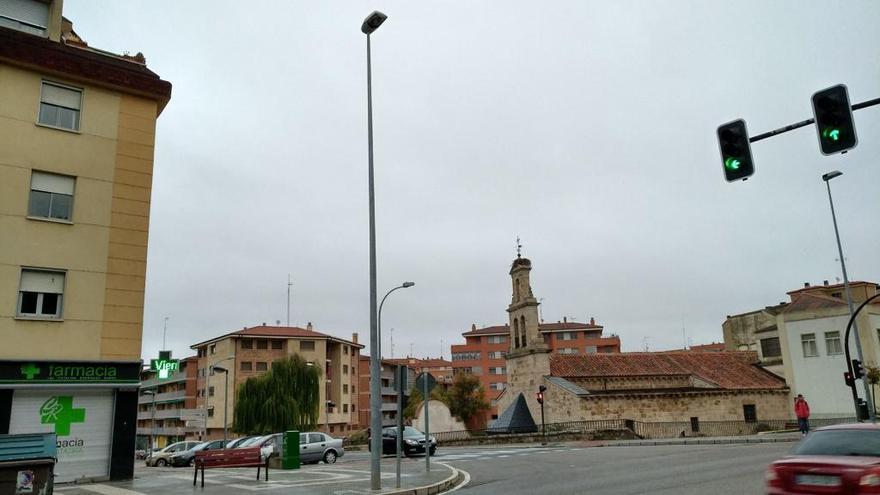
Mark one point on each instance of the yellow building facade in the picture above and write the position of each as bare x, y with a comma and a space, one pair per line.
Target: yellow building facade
77, 136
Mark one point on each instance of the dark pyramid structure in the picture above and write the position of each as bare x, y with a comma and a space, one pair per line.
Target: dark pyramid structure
516, 419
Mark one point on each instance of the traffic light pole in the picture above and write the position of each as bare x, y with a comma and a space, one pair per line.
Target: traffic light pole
849, 367
804, 123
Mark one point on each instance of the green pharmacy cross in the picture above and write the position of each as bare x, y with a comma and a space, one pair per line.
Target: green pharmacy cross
60, 412
30, 371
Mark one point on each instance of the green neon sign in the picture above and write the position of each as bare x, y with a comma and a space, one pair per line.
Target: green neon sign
164, 367
832, 133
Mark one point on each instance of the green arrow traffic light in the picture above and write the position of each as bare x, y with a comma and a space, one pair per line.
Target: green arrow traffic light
834, 134
732, 164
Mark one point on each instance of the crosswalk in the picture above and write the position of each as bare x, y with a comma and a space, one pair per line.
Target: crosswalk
453, 455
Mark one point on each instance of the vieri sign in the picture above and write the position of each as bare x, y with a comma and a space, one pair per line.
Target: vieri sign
164, 367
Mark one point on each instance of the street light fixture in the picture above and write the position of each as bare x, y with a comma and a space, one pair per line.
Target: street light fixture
370, 24
225, 401
152, 421
871, 414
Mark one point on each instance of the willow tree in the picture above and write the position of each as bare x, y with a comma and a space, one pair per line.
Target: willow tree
285, 398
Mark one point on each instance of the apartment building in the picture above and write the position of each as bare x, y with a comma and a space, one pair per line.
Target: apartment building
167, 410
484, 352
250, 352
389, 390
77, 134
439, 368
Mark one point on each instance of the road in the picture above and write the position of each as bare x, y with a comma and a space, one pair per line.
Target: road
671, 470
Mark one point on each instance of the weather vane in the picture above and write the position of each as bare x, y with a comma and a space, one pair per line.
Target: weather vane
518, 248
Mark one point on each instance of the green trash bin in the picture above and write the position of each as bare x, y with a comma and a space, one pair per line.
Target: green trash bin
290, 450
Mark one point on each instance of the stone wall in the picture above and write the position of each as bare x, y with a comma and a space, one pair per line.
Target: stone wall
524, 374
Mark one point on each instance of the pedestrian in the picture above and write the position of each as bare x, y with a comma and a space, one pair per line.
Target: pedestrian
802, 411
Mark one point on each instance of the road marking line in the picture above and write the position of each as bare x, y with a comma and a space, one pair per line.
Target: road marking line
109, 490
464, 482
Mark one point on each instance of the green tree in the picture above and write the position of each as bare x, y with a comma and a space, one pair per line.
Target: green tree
466, 397
285, 398
416, 400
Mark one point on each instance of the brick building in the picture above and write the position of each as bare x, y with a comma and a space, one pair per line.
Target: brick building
485, 350
174, 400
250, 352
439, 368
389, 392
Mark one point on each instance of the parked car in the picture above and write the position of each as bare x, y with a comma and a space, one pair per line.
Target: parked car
269, 444
238, 441
413, 441
161, 457
834, 459
188, 457
315, 446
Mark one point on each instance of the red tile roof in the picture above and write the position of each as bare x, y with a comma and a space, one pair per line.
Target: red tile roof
735, 370
713, 347
543, 327
852, 283
810, 301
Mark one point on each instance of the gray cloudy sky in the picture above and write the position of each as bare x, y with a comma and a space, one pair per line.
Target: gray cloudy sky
585, 127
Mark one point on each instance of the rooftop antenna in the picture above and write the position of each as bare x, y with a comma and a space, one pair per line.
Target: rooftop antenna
441, 348
518, 248
410, 349
392, 343
289, 285
684, 334
164, 331
645, 343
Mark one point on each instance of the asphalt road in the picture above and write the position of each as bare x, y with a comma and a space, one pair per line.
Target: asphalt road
669, 470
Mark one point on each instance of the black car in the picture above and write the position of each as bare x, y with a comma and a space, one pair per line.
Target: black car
413, 441
188, 457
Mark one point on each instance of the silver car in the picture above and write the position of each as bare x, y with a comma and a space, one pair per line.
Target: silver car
316, 446
162, 457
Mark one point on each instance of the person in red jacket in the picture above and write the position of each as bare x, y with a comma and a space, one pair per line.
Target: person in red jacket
802, 411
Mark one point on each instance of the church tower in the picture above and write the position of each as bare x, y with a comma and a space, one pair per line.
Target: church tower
523, 312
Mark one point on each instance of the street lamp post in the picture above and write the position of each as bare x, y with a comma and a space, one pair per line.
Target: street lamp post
370, 24
397, 378
827, 178
152, 421
225, 401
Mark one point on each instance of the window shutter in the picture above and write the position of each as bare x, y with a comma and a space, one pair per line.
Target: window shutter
59, 184
62, 97
45, 282
26, 11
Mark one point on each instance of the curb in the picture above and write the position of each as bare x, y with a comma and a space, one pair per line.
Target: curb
726, 441
452, 481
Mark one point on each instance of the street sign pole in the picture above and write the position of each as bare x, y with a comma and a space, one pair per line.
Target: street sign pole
401, 385
427, 424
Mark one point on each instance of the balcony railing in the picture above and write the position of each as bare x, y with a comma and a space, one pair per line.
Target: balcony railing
179, 376
169, 413
178, 431
163, 397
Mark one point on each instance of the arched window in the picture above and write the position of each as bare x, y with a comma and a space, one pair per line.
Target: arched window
522, 326
516, 291
516, 333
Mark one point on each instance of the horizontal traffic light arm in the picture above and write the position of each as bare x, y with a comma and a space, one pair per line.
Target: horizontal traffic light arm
804, 123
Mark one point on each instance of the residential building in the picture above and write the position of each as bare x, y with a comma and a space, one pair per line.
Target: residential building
167, 411
77, 136
802, 341
250, 352
665, 386
484, 353
388, 388
439, 368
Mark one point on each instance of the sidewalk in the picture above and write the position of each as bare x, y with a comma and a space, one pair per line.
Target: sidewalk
343, 478
762, 438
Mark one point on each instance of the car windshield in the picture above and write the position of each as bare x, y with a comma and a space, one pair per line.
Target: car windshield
200, 446
409, 431
855, 442
251, 442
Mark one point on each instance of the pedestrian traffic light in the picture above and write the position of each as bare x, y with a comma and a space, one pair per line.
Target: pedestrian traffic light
736, 153
834, 120
858, 370
848, 379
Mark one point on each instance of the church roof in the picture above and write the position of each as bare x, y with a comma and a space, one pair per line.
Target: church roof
515, 419
734, 370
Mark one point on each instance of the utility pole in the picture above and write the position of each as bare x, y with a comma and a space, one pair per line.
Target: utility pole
164, 331
392, 343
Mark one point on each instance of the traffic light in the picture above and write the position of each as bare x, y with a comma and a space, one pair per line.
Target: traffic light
834, 120
848, 379
736, 153
540, 394
858, 370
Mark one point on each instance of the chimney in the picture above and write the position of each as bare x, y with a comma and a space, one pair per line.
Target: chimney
354, 337
473, 326
309, 326
825, 282
264, 323
592, 321
564, 319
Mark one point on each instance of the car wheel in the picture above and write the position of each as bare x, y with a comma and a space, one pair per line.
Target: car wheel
161, 463
330, 457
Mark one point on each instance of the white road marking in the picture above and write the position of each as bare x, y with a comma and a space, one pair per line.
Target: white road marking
109, 490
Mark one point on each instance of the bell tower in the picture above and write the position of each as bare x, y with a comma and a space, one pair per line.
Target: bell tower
523, 311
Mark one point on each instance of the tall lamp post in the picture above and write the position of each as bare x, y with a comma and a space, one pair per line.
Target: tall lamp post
827, 178
152, 421
371, 24
225, 401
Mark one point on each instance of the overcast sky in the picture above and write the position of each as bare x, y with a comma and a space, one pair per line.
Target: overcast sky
587, 128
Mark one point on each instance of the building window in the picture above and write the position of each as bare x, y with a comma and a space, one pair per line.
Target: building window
498, 371
353, 407
307, 345
832, 343
60, 106
213, 348
750, 414
466, 371
497, 339
276, 344
247, 344
262, 366
40, 294
352, 389
210, 412
25, 15
345, 350
344, 388
344, 369
210, 391
51, 196
591, 349
466, 356
566, 336
246, 366
262, 344
808, 342
497, 385
568, 350
770, 348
